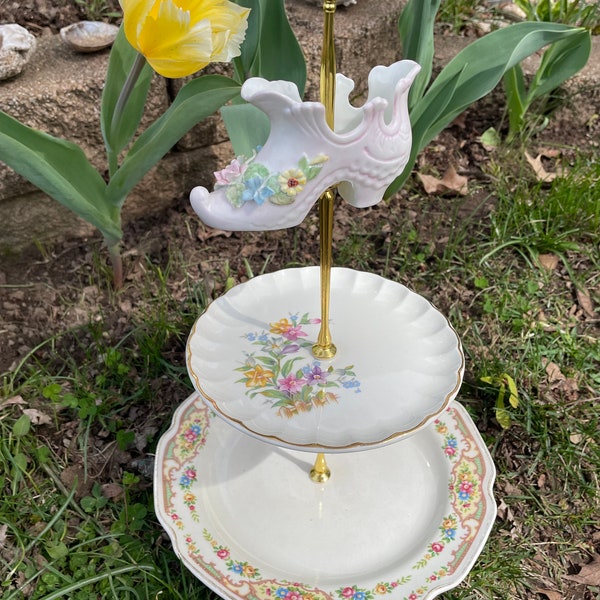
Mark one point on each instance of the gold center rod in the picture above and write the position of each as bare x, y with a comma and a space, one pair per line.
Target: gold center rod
324, 348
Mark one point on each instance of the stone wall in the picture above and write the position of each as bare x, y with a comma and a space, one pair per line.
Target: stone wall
60, 91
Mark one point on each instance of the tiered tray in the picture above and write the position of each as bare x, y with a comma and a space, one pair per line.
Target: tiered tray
405, 520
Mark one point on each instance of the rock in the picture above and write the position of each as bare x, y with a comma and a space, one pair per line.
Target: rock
16, 47
89, 36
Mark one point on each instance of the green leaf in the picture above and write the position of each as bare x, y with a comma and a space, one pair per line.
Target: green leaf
60, 169
248, 127
416, 33
278, 55
58, 550
249, 46
503, 417
516, 98
118, 134
560, 62
470, 75
195, 101
513, 397
22, 426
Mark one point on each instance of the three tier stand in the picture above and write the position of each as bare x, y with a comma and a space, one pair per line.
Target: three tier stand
308, 470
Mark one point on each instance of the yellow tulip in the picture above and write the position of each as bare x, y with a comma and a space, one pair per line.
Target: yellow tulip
180, 37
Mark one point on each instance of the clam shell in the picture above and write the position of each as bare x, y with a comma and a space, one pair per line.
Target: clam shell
16, 47
89, 36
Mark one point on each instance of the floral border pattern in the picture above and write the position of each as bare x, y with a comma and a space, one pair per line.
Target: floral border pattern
281, 373
464, 485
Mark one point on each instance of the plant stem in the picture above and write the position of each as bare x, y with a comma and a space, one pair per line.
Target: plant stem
134, 74
116, 260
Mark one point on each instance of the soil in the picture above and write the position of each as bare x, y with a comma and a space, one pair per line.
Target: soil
48, 16
59, 288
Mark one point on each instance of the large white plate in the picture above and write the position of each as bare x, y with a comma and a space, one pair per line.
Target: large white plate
399, 362
405, 521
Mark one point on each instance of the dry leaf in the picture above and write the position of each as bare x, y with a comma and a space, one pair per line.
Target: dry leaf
585, 301
548, 261
551, 594
205, 233
450, 183
576, 438
540, 172
553, 371
112, 491
589, 574
37, 417
14, 400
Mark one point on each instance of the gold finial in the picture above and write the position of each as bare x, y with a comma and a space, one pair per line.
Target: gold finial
320, 473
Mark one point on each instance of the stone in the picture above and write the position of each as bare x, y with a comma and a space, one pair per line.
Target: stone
16, 48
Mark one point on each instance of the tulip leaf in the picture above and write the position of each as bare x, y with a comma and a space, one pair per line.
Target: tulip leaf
479, 67
118, 130
248, 127
278, 55
196, 100
60, 169
249, 46
560, 62
416, 34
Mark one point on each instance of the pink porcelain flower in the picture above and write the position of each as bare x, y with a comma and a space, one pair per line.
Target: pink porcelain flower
231, 172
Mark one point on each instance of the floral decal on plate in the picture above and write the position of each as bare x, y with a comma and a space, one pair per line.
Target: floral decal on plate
466, 489
191, 438
450, 445
447, 535
288, 591
243, 569
281, 373
249, 181
356, 593
187, 479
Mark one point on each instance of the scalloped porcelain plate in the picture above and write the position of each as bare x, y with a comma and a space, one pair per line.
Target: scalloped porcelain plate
399, 363
405, 521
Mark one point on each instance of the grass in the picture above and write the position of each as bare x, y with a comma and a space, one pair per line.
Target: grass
102, 387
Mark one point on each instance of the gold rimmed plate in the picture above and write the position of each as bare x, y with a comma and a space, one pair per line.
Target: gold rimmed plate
398, 365
404, 521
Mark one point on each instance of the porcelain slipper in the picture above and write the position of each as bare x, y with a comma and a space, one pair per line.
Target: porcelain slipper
302, 157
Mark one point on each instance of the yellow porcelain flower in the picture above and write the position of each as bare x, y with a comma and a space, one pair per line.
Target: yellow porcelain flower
292, 182
180, 37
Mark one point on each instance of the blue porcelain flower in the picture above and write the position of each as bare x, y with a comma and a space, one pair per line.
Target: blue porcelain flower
256, 190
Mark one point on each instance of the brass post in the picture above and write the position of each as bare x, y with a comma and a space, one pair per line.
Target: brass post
324, 348
320, 473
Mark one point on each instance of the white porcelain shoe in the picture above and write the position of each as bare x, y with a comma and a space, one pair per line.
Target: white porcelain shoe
303, 157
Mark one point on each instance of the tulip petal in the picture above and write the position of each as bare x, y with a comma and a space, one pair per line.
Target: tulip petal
180, 37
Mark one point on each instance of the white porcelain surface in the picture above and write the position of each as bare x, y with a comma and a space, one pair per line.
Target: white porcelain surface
406, 521
398, 364
303, 157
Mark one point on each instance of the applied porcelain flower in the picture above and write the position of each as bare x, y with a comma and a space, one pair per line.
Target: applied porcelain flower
367, 149
180, 37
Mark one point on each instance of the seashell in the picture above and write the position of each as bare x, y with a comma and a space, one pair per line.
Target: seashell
89, 36
16, 47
